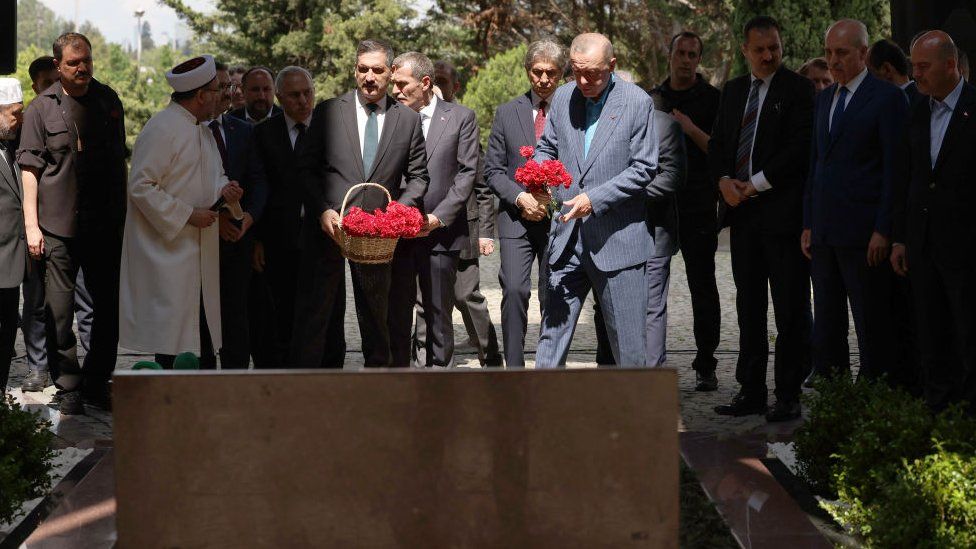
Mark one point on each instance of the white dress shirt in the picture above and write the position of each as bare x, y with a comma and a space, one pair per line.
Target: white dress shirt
939, 122
362, 115
292, 130
427, 113
852, 87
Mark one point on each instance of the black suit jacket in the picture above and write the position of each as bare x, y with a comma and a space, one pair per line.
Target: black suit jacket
241, 114
781, 149
934, 206
331, 160
452, 162
13, 244
512, 129
281, 224
911, 91
244, 165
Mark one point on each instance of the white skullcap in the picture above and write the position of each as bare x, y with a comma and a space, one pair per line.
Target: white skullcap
192, 74
10, 91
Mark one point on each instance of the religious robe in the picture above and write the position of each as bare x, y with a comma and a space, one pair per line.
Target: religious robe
167, 264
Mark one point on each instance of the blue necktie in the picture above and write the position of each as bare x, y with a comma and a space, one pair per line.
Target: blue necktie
370, 138
838, 110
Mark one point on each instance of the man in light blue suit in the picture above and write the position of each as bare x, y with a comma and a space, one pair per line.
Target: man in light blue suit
602, 130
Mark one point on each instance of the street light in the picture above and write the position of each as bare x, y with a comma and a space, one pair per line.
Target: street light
139, 14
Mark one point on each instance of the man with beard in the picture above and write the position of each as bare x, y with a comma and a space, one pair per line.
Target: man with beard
13, 252
170, 292
363, 135
72, 153
258, 86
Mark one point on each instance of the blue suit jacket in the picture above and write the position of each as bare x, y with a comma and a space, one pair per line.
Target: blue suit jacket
244, 165
616, 175
849, 191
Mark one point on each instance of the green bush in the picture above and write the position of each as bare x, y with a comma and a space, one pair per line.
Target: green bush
931, 504
831, 422
501, 80
25, 457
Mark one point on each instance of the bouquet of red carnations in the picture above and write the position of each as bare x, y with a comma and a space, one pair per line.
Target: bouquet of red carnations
395, 222
539, 177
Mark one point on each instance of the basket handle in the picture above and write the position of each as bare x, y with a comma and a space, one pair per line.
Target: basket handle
345, 199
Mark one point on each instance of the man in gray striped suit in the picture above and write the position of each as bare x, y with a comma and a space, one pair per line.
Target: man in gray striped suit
602, 129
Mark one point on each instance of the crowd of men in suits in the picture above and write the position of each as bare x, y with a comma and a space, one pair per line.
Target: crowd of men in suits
848, 175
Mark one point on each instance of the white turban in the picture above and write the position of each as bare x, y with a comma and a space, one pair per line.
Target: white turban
10, 91
192, 74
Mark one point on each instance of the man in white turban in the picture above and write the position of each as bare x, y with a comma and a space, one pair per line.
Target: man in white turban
170, 293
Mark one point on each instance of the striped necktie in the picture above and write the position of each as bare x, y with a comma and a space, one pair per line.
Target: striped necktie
743, 157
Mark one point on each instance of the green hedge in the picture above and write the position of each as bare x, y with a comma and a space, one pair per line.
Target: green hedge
25, 457
901, 476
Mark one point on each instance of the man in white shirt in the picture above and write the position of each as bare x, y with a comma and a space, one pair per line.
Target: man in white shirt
361, 136
451, 137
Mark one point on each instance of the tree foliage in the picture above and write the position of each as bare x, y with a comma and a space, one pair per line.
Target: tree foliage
501, 79
804, 23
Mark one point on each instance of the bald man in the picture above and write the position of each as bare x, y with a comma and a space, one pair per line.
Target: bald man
602, 129
847, 205
932, 223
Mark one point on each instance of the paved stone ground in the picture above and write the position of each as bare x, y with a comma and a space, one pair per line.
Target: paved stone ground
696, 408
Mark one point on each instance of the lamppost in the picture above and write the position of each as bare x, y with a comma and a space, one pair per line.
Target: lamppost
139, 14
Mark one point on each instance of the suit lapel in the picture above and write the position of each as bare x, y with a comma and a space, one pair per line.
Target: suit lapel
391, 118
524, 113
442, 114
230, 136
739, 95
577, 121
609, 117
10, 176
351, 125
861, 98
960, 115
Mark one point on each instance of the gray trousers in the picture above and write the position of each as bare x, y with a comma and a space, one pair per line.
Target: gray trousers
622, 296
473, 306
34, 320
658, 281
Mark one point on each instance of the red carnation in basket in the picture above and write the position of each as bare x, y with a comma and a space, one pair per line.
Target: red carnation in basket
395, 222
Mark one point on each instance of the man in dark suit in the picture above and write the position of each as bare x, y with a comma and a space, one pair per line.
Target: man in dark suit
932, 228
662, 215
847, 205
277, 237
363, 135
258, 88
758, 155
13, 248
693, 102
468, 298
888, 62
523, 229
451, 137
241, 163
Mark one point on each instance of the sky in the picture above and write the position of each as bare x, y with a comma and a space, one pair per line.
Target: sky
116, 19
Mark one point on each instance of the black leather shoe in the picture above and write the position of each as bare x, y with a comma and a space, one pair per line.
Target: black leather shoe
99, 397
783, 411
35, 382
71, 404
743, 405
706, 382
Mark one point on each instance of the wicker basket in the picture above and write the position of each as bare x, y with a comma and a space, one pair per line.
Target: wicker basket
365, 249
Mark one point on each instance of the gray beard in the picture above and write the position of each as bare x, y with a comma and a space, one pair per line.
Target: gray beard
7, 133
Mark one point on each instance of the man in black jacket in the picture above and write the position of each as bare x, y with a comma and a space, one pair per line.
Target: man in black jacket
932, 229
759, 153
363, 135
693, 102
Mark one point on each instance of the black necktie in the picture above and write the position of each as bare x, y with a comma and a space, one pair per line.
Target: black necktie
300, 127
221, 146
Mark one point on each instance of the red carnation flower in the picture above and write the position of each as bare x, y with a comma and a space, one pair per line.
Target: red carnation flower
526, 152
